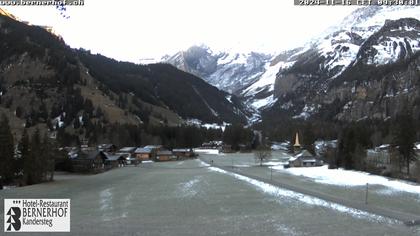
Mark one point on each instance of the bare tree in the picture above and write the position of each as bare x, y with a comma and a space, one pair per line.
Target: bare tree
262, 153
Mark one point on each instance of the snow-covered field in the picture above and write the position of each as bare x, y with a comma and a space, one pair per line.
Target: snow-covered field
279, 192
350, 178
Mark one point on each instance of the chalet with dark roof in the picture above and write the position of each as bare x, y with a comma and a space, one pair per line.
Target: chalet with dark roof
89, 162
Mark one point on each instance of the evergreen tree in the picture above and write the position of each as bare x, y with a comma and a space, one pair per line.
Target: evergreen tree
405, 137
23, 150
36, 157
27, 156
346, 148
308, 138
6, 151
48, 156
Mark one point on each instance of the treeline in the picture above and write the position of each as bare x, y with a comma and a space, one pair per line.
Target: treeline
184, 136
355, 138
138, 135
29, 162
236, 135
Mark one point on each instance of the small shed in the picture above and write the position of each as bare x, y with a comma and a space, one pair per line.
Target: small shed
304, 159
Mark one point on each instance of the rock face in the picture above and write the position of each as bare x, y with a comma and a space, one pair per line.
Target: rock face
229, 71
365, 68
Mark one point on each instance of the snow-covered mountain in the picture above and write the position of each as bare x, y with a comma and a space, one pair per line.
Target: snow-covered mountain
260, 79
348, 70
229, 71
249, 75
338, 47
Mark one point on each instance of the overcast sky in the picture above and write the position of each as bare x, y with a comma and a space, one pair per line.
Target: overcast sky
135, 29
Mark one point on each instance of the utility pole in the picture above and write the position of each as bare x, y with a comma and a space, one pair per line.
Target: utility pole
271, 173
367, 192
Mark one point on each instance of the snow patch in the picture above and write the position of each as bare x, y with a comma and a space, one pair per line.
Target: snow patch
199, 123
265, 102
389, 50
350, 178
306, 112
279, 192
189, 188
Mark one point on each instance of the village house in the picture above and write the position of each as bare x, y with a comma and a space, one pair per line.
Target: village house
227, 149
154, 148
127, 150
143, 154
111, 148
114, 161
129, 155
89, 162
323, 146
379, 156
304, 159
165, 155
183, 153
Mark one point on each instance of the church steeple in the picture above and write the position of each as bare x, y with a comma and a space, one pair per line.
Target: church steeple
296, 146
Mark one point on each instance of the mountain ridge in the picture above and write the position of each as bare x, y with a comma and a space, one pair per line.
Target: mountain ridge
66, 87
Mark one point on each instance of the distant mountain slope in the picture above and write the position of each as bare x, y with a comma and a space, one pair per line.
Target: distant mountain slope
260, 80
361, 71
243, 74
43, 81
164, 85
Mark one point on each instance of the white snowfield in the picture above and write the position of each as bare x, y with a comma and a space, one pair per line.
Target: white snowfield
350, 178
388, 53
279, 192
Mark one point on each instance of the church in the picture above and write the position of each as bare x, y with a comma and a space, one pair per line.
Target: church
302, 157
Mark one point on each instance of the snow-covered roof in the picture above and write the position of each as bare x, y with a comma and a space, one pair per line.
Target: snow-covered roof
304, 153
308, 160
127, 149
181, 150
384, 146
143, 150
152, 146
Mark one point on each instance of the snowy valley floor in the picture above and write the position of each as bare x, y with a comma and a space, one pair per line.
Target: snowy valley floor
347, 185
190, 198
